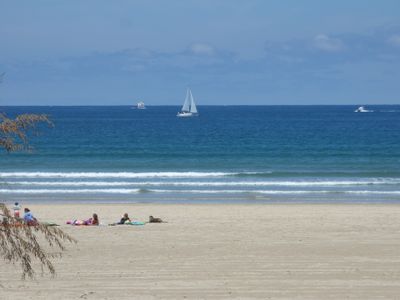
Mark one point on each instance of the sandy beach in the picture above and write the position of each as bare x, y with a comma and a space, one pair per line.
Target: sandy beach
219, 251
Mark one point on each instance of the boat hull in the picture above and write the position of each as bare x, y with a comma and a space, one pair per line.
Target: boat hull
185, 114
361, 109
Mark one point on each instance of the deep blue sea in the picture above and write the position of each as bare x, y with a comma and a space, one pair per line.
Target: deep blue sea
226, 154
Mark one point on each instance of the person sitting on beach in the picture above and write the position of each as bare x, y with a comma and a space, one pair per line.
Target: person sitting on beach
124, 219
29, 219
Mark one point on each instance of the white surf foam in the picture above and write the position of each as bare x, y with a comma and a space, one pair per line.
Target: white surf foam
208, 183
77, 191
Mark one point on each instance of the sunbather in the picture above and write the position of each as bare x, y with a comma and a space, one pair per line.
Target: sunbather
94, 220
29, 218
124, 219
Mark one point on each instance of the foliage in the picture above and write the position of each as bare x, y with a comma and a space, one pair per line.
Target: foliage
19, 242
14, 132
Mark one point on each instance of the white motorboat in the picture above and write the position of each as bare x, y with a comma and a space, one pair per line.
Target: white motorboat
362, 109
140, 105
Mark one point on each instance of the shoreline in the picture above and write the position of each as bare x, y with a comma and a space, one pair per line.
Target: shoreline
211, 201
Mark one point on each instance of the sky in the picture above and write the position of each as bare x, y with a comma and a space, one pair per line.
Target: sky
229, 52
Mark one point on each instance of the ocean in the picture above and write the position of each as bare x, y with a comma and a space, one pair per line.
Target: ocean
245, 154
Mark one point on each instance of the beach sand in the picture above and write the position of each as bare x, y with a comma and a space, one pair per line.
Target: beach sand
222, 251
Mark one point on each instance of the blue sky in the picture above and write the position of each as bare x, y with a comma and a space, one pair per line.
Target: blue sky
101, 52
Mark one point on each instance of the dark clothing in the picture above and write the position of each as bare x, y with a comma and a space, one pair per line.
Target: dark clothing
123, 220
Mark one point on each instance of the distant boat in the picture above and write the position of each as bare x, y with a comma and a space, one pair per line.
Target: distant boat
140, 105
362, 109
189, 107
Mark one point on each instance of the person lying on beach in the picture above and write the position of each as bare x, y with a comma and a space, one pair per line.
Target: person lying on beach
125, 218
155, 220
94, 220
29, 219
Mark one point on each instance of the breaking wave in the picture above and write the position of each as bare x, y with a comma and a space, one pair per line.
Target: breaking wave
386, 181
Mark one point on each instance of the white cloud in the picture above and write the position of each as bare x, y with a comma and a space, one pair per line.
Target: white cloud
394, 40
326, 43
202, 49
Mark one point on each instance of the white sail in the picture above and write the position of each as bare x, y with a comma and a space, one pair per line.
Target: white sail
185, 107
193, 108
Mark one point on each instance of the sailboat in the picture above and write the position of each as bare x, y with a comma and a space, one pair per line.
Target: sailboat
189, 107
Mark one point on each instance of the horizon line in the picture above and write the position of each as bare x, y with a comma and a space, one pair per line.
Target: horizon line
174, 105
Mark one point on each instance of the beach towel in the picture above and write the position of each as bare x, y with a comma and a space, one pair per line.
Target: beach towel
128, 223
78, 222
49, 223
134, 223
